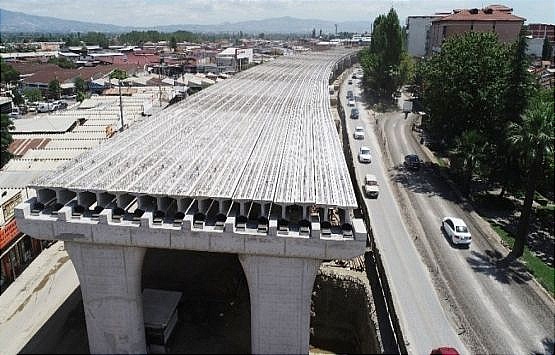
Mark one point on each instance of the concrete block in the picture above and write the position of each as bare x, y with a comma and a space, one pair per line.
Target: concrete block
73, 231
112, 234
338, 249
226, 243
264, 245
304, 247
150, 237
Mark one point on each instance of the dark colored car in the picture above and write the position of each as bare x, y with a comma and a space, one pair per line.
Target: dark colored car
412, 162
354, 113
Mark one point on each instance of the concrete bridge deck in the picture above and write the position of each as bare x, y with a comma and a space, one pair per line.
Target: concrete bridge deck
251, 166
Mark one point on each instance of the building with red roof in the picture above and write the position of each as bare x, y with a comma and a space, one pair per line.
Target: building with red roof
493, 18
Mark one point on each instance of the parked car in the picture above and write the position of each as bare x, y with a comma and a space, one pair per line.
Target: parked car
371, 186
364, 155
412, 162
456, 229
354, 76
351, 103
359, 132
350, 94
350, 82
354, 113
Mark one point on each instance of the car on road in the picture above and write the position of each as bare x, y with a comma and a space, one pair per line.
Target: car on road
350, 94
444, 350
354, 76
456, 229
351, 103
364, 155
371, 186
359, 132
354, 113
412, 162
350, 82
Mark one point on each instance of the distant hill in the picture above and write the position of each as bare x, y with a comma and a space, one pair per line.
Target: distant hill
11, 22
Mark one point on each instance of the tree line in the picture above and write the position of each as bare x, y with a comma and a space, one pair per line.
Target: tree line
491, 118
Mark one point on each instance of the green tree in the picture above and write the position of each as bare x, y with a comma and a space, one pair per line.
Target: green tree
32, 94
533, 138
80, 96
80, 85
381, 61
173, 43
8, 73
463, 87
547, 50
313, 33
17, 98
118, 74
54, 89
6, 125
469, 153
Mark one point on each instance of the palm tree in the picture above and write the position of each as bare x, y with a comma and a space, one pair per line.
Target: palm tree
470, 150
5, 138
533, 138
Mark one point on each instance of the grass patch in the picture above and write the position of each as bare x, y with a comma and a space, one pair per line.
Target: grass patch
544, 273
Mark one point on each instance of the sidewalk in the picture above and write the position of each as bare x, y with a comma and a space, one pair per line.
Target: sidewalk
34, 297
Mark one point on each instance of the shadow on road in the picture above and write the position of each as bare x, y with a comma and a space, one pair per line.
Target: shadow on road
486, 263
426, 181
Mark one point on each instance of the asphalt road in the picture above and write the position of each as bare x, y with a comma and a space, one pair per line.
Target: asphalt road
500, 311
423, 321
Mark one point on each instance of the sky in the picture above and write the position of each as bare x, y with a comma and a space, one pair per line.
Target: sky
172, 12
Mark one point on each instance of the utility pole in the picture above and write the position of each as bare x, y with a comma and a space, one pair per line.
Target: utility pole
120, 106
160, 81
335, 30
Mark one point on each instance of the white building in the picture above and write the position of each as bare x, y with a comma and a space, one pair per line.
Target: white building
234, 59
418, 34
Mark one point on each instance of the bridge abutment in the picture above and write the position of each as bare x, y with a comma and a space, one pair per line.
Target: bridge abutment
280, 293
110, 278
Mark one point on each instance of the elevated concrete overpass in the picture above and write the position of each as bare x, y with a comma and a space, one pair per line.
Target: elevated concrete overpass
251, 166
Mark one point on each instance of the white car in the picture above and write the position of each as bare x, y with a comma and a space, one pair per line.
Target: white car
364, 155
359, 132
371, 187
457, 230
351, 103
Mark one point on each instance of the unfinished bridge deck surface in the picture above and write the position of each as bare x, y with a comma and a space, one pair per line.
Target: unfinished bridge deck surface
267, 135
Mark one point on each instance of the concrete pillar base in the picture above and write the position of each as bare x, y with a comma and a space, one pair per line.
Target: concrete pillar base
280, 294
110, 278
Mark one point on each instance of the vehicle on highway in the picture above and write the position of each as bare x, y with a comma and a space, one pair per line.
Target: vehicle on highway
351, 103
364, 155
371, 186
444, 350
354, 113
412, 162
359, 132
350, 82
456, 229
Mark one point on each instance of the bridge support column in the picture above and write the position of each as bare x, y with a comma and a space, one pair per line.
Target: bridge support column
280, 293
110, 278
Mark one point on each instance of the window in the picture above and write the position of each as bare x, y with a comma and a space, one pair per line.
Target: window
462, 229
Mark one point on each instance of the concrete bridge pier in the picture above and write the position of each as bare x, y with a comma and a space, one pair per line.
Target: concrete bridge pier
280, 293
110, 278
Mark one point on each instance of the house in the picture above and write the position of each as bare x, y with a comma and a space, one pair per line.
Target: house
493, 18
234, 59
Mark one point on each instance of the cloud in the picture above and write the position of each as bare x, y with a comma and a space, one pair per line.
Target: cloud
166, 12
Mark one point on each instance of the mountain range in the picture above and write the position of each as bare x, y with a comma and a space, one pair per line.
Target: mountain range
11, 22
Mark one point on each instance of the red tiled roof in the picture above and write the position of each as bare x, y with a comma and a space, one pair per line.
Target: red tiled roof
496, 13
44, 73
20, 146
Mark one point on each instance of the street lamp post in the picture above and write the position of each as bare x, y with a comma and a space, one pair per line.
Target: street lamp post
120, 106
